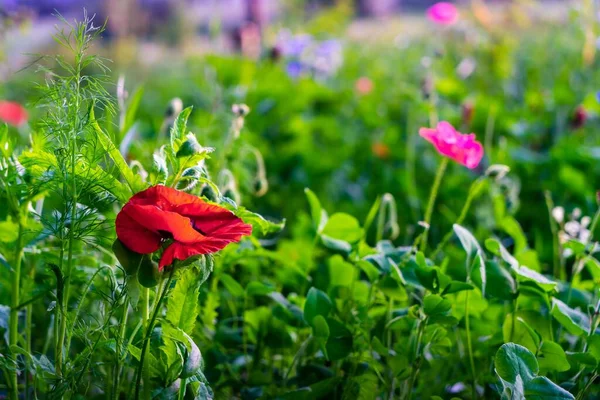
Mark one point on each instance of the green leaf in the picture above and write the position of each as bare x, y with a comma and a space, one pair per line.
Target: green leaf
232, 285
552, 357
318, 214
474, 252
525, 274
255, 288
182, 306
258, 222
369, 269
542, 388
343, 227
132, 107
576, 322
317, 303
340, 342
178, 130
500, 283
321, 333
434, 305
134, 181
513, 361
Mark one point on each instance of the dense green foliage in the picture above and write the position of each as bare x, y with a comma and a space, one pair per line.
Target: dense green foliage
338, 293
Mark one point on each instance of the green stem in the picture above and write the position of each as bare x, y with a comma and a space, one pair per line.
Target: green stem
120, 347
581, 395
417, 360
558, 272
432, 196
181, 394
146, 341
28, 330
463, 214
469, 344
489, 132
13, 336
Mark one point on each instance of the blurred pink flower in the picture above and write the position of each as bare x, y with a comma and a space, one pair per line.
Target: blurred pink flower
364, 85
12, 113
462, 148
443, 13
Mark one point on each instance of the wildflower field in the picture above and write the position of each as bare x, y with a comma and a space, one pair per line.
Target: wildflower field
315, 216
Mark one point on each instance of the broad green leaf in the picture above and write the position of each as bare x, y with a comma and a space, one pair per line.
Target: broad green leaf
341, 273
182, 306
340, 342
576, 322
513, 361
369, 269
343, 227
526, 274
317, 303
500, 283
552, 357
542, 388
434, 305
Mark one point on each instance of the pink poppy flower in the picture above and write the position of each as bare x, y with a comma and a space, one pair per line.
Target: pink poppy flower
462, 148
12, 113
443, 13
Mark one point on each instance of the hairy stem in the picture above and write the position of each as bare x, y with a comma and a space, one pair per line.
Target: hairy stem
147, 336
417, 361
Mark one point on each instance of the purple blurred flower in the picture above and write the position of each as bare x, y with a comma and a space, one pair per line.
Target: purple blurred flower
304, 53
294, 69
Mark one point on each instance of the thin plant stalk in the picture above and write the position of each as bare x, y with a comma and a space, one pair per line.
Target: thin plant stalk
431, 203
146, 341
14, 313
558, 272
416, 365
469, 344
120, 341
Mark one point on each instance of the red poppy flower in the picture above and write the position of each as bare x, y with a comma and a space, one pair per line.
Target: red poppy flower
159, 213
12, 113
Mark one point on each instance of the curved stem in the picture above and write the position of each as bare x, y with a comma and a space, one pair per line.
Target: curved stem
432, 196
148, 334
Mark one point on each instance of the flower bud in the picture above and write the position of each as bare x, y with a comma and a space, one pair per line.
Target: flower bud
208, 192
174, 108
191, 147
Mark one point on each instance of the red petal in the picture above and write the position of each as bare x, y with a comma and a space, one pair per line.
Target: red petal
12, 113
134, 236
154, 219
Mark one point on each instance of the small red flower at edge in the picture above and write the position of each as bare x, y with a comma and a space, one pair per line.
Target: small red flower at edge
463, 149
160, 213
12, 113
